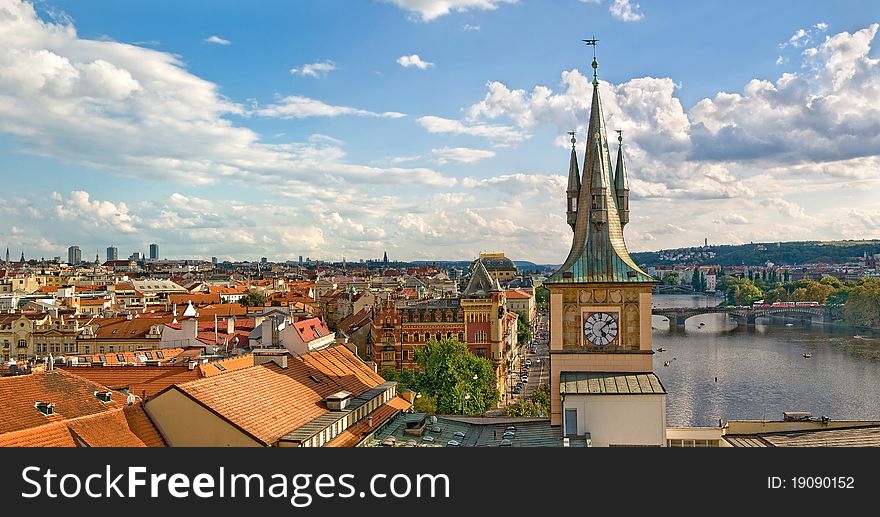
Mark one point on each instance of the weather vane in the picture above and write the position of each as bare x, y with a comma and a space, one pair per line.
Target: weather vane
619, 135
573, 141
593, 43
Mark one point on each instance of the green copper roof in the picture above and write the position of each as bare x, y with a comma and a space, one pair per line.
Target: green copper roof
598, 251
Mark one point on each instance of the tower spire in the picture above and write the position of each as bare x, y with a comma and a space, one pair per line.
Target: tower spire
598, 251
621, 185
574, 183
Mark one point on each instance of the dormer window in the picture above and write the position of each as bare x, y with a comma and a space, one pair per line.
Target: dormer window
46, 408
104, 396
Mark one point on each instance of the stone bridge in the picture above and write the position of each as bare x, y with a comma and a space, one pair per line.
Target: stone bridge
820, 315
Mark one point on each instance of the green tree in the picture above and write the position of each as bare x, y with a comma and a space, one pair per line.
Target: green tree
542, 297
863, 304
253, 299
523, 331
538, 405
695, 281
670, 278
832, 281
447, 371
778, 294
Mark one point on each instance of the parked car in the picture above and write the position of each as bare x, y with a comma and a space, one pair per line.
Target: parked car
529, 362
505, 443
453, 443
524, 379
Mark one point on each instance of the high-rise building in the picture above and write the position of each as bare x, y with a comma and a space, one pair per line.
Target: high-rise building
600, 310
154, 252
74, 255
112, 253
135, 256
214, 260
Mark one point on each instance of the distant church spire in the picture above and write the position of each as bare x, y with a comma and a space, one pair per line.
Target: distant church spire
22, 257
7, 255
621, 184
574, 183
385, 258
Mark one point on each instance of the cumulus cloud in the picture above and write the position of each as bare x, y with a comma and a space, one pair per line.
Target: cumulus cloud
625, 11
90, 212
318, 69
429, 10
414, 60
217, 40
734, 218
138, 112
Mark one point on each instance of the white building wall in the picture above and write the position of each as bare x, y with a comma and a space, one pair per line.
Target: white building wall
619, 419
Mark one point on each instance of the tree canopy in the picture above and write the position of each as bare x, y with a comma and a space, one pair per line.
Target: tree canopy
253, 299
446, 376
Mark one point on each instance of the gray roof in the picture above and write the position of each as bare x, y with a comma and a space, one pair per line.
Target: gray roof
610, 383
851, 437
480, 284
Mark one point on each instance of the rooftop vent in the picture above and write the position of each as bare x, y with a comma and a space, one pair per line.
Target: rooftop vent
796, 416
104, 396
46, 408
338, 401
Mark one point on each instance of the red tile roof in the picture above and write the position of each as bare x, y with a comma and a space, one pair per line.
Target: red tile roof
230, 364
73, 396
516, 293
268, 401
143, 381
311, 329
124, 427
112, 358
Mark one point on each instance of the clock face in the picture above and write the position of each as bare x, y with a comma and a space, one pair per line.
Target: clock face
600, 328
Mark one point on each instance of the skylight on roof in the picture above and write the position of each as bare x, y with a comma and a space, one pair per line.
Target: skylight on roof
220, 367
315, 379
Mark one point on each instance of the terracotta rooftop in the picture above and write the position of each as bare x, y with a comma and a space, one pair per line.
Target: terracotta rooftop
140, 357
311, 329
143, 381
72, 395
268, 401
230, 364
124, 427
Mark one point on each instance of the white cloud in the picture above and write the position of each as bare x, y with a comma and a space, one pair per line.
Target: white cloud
734, 218
138, 112
429, 10
445, 155
780, 60
318, 69
625, 11
413, 60
498, 135
297, 106
217, 40
469, 27
799, 38
88, 212
821, 26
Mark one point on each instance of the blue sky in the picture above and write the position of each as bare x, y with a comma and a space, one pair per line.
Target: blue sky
430, 129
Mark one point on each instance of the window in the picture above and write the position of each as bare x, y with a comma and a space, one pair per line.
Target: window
5, 343
101, 349
150, 355
22, 343
461, 336
111, 349
120, 358
159, 355
220, 367
406, 355
427, 337
115, 331
481, 352
102, 358
438, 337
404, 337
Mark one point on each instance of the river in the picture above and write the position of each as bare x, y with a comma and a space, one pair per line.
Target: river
761, 371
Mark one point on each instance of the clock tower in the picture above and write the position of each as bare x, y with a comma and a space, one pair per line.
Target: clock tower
600, 308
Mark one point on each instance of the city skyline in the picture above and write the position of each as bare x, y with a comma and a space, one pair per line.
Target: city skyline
440, 133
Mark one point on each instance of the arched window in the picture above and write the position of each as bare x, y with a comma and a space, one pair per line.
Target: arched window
427, 337
404, 337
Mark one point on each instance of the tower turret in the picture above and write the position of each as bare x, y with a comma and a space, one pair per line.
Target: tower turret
574, 184
621, 185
